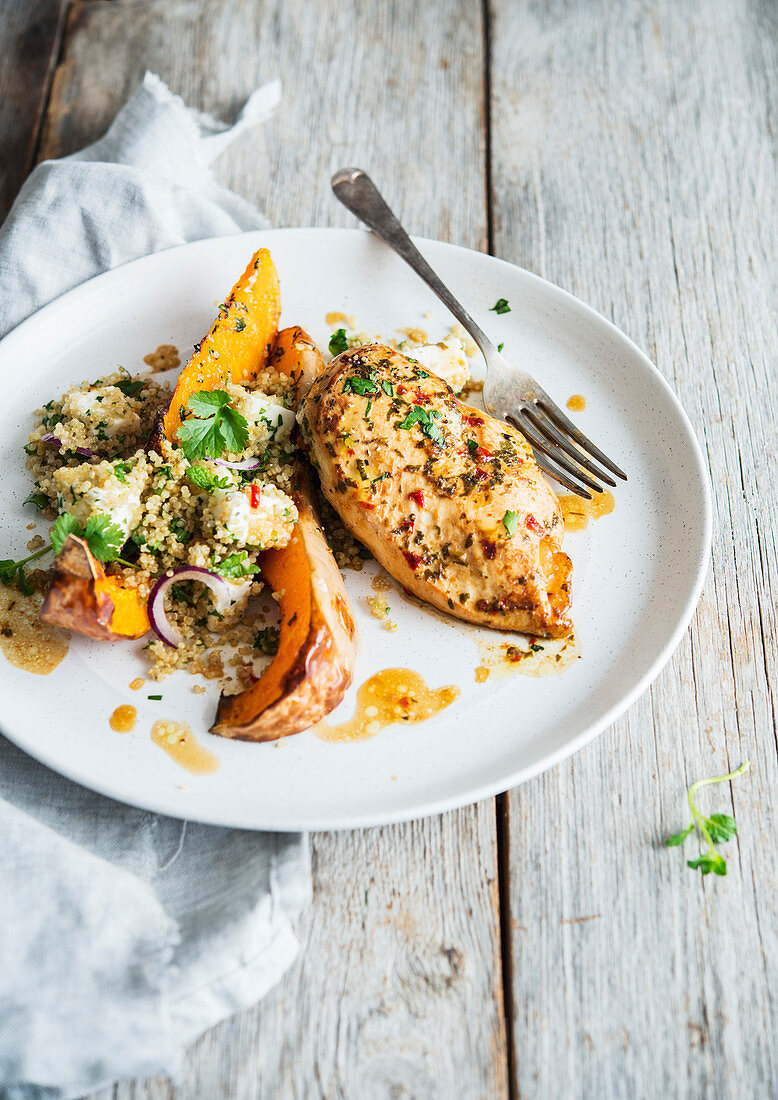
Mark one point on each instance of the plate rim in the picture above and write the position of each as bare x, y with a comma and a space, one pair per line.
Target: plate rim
432, 807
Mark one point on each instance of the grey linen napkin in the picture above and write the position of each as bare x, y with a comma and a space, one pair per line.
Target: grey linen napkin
124, 934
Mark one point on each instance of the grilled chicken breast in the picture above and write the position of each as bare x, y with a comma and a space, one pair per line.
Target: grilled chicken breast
448, 499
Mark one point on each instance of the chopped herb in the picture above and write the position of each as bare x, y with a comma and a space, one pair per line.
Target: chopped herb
38, 499
25, 587
338, 341
420, 416
716, 829
155, 697
380, 477
130, 386
422, 373
472, 446
358, 385
240, 324
122, 468
180, 531
536, 648
214, 427
501, 306
368, 408
206, 479
500, 347
388, 388
235, 566
509, 521
267, 640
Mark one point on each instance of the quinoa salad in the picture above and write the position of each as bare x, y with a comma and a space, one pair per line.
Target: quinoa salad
153, 514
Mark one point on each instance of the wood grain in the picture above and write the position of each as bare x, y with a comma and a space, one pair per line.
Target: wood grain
29, 44
398, 990
634, 163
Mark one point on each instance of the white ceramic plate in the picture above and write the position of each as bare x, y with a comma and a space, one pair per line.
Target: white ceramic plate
638, 572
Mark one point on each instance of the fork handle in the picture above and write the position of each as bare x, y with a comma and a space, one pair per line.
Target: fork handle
360, 195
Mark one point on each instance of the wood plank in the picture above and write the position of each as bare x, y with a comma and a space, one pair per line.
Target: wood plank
31, 38
398, 990
634, 164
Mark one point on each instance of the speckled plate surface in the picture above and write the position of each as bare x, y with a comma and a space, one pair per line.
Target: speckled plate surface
637, 572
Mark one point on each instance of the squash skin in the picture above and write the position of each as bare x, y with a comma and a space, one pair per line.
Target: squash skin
82, 598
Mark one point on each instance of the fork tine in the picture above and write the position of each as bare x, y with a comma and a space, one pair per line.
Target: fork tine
547, 428
540, 443
557, 474
552, 410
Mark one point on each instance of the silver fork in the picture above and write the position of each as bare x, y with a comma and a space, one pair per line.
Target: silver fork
560, 448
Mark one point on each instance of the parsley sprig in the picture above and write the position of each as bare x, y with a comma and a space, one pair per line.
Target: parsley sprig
501, 306
716, 829
214, 428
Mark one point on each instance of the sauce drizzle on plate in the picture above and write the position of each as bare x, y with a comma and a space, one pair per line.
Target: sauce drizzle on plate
390, 696
178, 741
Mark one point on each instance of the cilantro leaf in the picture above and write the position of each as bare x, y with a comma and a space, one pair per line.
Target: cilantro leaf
38, 499
509, 521
214, 428
338, 341
678, 838
8, 569
707, 862
235, 431
65, 525
200, 438
206, 479
500, 306
235, 566
25, 587
130, 386
721, 827
103, 537
205, 402
715, 829
361, 386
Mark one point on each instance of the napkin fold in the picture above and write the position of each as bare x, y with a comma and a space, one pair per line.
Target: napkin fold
125, 934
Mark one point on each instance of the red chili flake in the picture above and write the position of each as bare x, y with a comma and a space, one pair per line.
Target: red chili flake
350, 450
483, 605
254, 496
404, 701
473, 421
481, 452
414, 560
417, 496
481, 475
489, 548
534, 526
366, 504
421, 398
408, 524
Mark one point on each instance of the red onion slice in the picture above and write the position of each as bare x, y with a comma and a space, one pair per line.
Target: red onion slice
55, 441
170, 634
246, 464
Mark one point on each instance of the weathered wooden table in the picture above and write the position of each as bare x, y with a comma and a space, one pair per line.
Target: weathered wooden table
545, 943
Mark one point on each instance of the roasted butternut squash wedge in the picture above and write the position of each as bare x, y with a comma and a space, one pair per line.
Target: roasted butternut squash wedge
237, 345
314, 665
84, 599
